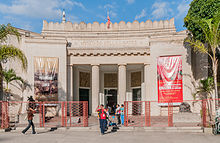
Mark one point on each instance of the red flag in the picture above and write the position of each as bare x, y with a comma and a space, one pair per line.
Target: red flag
108, 23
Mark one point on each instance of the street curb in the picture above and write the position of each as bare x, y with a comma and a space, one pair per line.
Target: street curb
124, 129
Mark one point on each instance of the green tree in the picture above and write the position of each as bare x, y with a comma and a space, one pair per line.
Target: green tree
200, 9
211, 32
9, 76
204, 91
9, 51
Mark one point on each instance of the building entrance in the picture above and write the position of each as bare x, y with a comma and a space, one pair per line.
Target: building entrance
111, 99
136, 96
84, 95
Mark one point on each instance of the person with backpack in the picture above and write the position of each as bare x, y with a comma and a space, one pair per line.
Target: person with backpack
30, 115
118, 113
102, 115
122, 114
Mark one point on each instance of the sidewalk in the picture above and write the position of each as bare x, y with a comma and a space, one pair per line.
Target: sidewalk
69, 136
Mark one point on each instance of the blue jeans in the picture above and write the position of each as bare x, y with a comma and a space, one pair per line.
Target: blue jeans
102, 123
122, 119
30, 123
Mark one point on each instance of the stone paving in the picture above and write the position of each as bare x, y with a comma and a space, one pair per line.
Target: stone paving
67, 136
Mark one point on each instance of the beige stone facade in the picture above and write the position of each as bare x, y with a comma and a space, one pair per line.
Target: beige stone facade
124, 55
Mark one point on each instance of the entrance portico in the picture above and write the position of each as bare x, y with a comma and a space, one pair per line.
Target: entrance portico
107, 84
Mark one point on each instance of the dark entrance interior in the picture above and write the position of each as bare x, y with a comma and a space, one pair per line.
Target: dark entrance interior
111, 98
84, 95
136, 106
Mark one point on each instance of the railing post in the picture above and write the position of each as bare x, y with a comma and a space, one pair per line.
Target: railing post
125, 117
170, 114
147, 114
62, 110
85, 114
204, 112
70, 112
40, 113
43, 114
66, 113
5, 118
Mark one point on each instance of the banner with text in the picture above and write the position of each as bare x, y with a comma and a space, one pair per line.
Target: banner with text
169, 79
46, 78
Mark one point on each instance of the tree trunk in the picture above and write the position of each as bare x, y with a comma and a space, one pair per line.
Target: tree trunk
214, 68
1, 83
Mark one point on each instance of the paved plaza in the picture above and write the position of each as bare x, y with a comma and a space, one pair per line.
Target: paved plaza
66, 136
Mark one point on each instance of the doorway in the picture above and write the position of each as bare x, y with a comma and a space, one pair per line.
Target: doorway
111, 99
136, 106
84, 95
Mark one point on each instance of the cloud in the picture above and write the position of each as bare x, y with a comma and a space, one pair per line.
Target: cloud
161, 10
17, 21
130, 1
50, 9
141, 15
108, 6
183, 8
111, 8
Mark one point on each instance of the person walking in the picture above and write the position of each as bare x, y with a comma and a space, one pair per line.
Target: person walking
102, 118
122, 114
117, 112
30, 115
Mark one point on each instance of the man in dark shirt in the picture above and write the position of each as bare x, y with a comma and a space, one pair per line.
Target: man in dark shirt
30, 115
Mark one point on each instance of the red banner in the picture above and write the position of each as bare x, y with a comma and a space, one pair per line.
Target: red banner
169, 79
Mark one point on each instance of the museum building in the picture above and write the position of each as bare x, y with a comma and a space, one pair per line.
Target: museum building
104, 64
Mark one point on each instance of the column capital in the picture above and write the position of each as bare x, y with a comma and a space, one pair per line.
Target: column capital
146, 64
122, 64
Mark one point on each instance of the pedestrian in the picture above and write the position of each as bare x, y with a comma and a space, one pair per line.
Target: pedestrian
107, 119
30, 115
122, 114
102, 118
118, 113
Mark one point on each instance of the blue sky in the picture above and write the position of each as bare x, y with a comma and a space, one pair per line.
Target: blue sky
29, 14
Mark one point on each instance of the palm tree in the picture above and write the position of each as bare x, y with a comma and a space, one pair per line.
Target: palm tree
212, 34
9, 51
9, 76
204, 91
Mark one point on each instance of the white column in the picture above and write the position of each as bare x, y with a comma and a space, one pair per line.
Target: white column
121, 83
71, 83
147, 82
76, 84
95, 87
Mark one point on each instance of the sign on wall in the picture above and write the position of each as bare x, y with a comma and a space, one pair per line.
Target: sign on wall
169, 79
46, 78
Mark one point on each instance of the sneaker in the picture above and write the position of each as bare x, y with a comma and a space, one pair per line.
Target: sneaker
34, 133
23, 133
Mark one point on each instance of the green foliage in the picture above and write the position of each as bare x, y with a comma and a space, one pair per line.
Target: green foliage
201, 9
8, 52
9, 76
205, 89
6, 30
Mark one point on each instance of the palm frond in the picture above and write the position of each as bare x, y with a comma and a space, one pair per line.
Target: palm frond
6, 30
9, 51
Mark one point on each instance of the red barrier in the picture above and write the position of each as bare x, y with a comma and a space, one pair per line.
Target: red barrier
4, 115
204, 121
48, 114
147, 114
152, 113
170, 114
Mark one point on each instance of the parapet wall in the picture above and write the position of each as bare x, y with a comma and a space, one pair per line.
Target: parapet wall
95, 26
